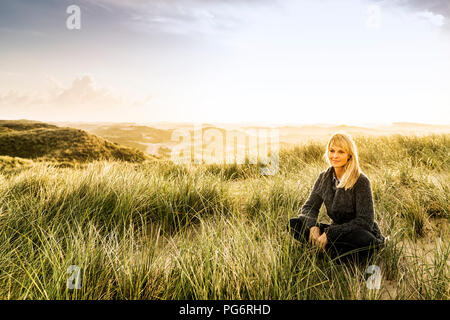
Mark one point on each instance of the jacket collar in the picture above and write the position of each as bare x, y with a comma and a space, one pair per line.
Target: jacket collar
330, 171
332, 177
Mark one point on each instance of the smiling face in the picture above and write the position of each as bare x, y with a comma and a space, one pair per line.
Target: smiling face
338, 156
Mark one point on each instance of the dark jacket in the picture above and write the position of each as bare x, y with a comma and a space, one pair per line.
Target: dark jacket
349, 209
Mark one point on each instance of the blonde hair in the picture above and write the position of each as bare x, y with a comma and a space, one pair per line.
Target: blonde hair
352, 170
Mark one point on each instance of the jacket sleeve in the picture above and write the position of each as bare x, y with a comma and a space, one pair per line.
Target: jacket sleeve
310, 209
364, 212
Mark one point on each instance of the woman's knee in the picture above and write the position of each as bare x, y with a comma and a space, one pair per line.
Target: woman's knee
360, 238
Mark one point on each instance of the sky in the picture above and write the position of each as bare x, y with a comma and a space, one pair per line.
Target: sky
259, 61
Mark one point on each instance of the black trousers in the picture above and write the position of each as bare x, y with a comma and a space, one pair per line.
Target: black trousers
357, 243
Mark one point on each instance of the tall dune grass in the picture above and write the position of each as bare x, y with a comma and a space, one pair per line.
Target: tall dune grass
163, 231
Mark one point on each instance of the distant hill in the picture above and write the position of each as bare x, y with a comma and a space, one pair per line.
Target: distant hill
38, 140
156, 138
143, 138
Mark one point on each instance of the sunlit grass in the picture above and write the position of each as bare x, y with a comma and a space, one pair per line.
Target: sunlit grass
157, 230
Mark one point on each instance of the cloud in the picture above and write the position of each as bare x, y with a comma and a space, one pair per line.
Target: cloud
82, 101
441, 7
435, 11
183, 17
435, 19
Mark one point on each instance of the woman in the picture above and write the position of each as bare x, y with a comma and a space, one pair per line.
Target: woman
347, 195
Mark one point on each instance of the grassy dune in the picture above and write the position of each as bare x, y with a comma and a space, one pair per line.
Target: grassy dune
41, 141
157, 230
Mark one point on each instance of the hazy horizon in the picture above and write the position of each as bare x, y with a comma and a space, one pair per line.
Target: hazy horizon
242, 123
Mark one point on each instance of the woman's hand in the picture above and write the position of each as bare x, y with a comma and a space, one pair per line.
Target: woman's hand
314, 234
316, 239
322, 241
